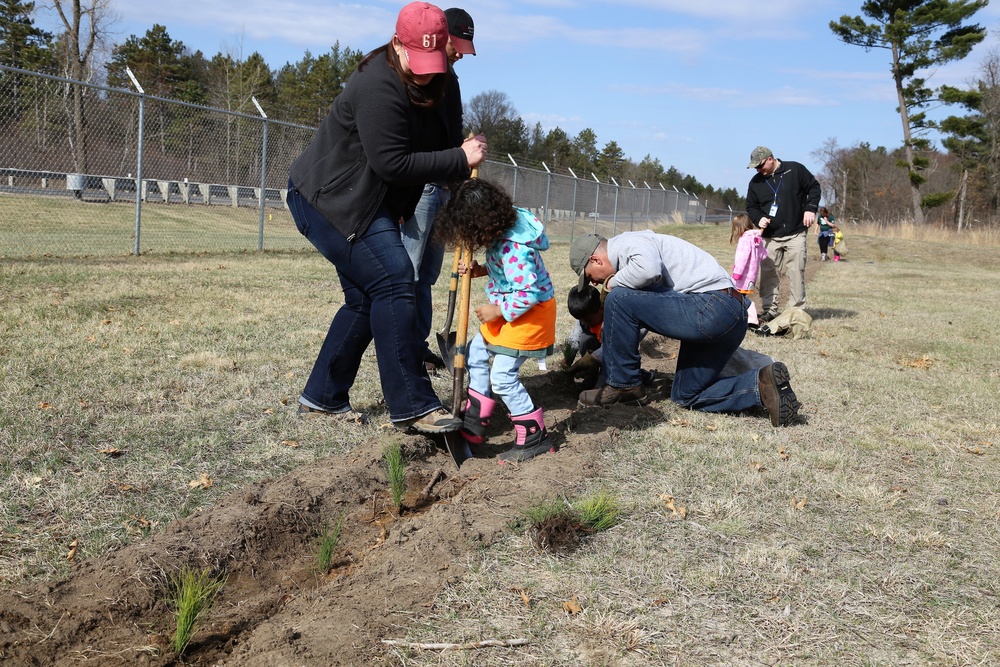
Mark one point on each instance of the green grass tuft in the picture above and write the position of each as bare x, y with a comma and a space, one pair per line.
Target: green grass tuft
327, 545
395, 465
193, 592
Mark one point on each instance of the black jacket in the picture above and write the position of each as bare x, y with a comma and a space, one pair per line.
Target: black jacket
798, 192
375, 147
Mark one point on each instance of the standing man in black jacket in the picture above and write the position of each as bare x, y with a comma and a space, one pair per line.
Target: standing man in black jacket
782, 200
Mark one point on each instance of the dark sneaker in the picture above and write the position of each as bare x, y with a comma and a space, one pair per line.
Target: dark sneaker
348, 416
433, 363
767, 317
657, 384
776, 394
608, 395
439, 421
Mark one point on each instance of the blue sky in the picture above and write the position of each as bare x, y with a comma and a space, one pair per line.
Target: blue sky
696, 84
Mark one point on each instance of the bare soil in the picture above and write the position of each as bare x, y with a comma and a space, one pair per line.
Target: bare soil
276, 608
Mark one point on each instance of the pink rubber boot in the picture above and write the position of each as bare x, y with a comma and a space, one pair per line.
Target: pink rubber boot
478, 410
531, 438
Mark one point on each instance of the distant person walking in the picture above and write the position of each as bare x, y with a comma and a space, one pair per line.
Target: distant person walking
782, 200
825, 226
425, 252
348, 192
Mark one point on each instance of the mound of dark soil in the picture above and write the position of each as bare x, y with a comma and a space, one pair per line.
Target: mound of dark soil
275, 608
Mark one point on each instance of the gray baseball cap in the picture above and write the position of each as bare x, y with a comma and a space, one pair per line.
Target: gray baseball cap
580, 252
758, 155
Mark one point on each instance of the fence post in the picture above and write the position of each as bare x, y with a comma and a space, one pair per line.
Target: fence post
597, 199
513, 195
139, 185
548, 189
631, 218
572, 220
649, 200
263, 175
614, 214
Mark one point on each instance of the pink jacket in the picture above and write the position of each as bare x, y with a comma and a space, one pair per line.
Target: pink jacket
750, 251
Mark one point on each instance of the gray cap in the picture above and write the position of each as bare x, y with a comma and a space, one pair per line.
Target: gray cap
758, 155
580, 253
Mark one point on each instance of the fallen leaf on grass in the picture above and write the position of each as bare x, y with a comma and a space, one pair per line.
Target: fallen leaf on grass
782, 454
204, 482
798, 503
679, 422
659, 602
758, 466
45, 406
711, 427
268, 411
290, 443
72, 549
572, 607
524, 596
922, 363
974, 450
675, 510
113, 452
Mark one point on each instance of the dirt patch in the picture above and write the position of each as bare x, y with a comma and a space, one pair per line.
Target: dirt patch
275, 607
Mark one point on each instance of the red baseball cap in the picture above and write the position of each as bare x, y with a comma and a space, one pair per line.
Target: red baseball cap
422, 29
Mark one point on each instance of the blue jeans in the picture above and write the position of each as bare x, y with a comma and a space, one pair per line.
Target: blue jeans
501, 381
710, 327
377, 279
426, 254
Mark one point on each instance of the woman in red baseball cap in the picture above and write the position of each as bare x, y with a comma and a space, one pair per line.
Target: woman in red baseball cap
386, 135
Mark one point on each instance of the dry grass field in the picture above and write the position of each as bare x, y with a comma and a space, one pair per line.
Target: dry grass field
141, 396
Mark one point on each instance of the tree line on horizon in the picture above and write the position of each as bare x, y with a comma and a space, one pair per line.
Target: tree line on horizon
299, 93
957, 185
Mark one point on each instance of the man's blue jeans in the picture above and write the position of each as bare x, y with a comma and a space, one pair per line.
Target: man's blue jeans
426, 253
377, 278
710, 327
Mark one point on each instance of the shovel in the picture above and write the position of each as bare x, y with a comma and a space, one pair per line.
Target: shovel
446, 337
454, 442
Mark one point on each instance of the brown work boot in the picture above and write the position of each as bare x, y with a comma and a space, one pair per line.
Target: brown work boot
776, 394
438, 421
608, 395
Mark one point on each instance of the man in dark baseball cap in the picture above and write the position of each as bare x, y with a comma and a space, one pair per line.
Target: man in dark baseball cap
460, 31
425, 254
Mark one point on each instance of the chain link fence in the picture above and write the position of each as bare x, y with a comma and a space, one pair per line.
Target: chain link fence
88, 170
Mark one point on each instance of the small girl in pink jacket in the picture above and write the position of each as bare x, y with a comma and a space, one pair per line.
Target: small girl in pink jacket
750, 250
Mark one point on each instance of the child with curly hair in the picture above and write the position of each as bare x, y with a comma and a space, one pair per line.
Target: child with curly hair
520, 320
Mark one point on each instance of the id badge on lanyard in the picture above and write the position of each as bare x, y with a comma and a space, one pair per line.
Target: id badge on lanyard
774, 206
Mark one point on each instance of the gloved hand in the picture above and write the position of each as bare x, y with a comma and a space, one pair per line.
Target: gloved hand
586, 368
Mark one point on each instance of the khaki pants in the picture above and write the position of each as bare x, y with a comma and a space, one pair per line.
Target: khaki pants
785, 254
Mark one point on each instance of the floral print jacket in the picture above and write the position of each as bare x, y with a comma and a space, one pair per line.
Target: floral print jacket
518, 278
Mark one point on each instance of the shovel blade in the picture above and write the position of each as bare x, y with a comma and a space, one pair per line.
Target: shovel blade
446, 346
457, 447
